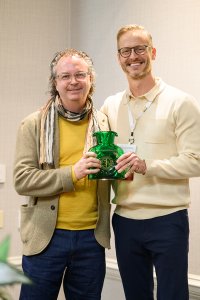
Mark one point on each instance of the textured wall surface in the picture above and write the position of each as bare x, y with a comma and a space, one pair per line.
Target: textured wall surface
32, 31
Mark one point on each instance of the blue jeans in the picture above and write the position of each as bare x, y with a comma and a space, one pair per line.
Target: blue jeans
72, 257
161, 242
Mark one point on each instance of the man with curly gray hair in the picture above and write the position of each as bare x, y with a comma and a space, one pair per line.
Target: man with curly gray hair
65, 225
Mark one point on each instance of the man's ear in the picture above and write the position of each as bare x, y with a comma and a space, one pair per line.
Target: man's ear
153, 54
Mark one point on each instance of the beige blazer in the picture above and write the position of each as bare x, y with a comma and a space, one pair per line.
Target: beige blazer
43, 187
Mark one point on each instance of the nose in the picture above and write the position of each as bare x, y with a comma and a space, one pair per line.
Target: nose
133, 54
73, 80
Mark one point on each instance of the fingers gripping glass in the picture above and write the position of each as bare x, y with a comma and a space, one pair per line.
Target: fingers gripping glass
139, 50
80, 76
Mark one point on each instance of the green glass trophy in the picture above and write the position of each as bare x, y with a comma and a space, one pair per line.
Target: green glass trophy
108, 153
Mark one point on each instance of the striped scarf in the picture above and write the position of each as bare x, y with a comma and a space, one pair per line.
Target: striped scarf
48, 126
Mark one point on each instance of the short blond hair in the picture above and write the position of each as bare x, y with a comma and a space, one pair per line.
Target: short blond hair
134, 27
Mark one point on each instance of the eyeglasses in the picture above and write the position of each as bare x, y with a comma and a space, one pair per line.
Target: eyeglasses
80, 76
139, 50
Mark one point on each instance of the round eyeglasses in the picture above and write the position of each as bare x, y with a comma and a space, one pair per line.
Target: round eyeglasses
80, 76
139, 50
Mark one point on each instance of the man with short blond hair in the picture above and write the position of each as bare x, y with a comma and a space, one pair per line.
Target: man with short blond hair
158, 126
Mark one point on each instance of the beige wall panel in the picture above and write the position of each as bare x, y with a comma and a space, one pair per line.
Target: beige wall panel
30, 33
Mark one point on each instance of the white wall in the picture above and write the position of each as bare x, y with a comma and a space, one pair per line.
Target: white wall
175, 27
32, 31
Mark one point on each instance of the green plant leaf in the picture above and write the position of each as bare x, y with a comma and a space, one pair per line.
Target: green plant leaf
10, 275
4, 248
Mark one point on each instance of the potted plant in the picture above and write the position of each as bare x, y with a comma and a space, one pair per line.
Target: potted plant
9, 274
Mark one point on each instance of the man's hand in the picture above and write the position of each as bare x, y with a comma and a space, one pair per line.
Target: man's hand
83, 167
131, 162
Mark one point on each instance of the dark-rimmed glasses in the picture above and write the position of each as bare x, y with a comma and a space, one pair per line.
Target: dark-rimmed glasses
79, 76
139, 50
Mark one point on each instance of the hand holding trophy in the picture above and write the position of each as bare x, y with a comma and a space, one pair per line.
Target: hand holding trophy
108, 153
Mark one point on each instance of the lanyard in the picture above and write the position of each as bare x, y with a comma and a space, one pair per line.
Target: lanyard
133, 121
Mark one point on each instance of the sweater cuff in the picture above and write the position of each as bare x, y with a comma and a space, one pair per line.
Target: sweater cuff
66, 177
73, 175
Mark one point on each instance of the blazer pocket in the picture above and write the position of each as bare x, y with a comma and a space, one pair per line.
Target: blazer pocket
27, 222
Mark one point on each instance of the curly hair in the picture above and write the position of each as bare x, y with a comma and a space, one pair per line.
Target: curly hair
69, 53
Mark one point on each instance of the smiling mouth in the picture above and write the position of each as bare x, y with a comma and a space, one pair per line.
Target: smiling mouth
75, 90
136, 64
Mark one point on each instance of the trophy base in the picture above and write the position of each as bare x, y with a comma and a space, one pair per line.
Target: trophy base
119, 177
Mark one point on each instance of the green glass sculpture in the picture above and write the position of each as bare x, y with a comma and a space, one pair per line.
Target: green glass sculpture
107, 152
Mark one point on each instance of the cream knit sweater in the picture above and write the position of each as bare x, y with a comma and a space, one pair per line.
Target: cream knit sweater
167, 136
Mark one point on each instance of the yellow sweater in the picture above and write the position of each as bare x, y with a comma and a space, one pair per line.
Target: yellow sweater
78, 209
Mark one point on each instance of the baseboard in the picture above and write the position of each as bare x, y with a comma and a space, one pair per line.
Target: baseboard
194, 280
16, 261
113, 274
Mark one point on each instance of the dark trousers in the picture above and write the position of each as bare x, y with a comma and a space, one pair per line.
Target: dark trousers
160, 242
72, 257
